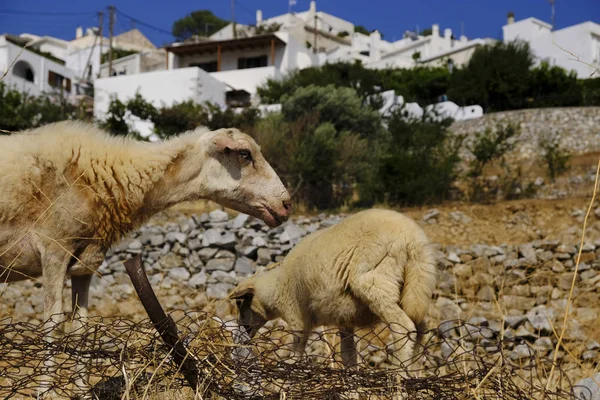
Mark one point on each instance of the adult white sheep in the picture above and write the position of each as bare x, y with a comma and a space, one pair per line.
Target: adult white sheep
376, 265
69, 191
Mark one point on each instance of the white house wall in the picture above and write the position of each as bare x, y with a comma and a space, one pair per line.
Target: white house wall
247, 79
38, 64
54, 49
577, 40
554, 47
229, 60
128, 65
459, 58
527, 29
160, 88
296, 55
77, 60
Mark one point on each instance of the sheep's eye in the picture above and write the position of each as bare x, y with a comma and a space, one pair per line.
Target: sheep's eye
246, 155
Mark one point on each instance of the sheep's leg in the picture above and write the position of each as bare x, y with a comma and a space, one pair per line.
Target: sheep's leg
54, 271
382, 295
348, 348
299, 338
80, 287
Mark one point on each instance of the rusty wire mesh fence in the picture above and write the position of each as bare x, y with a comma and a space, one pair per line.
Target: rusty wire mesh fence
109, 357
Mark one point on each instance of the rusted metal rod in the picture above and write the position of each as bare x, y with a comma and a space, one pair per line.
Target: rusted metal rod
164, 324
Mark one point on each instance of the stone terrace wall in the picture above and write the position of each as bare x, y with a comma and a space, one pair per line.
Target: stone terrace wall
577, 127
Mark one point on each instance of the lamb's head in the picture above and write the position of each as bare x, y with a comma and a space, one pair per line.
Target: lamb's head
236, 175
252, 312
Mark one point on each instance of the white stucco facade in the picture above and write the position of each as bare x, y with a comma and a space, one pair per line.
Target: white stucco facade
161, 88
32, 73
286, 55
301, 26
582, 40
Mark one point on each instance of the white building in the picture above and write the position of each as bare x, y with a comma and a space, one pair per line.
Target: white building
410, 51
33, 72
561, 47
225, 72
308, 27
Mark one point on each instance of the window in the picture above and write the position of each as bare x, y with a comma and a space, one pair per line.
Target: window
209, 66
252, 62
595, 49
22, 69
58, 81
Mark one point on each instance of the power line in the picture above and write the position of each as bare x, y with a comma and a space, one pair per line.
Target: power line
244, 9
145, 24
45, 13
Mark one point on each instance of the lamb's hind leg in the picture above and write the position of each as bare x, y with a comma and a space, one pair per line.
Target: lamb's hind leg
348, 348
382, 294
80, 286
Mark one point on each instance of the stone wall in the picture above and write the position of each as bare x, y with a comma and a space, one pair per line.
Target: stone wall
577, 127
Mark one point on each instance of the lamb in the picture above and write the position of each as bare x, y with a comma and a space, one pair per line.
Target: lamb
70, 191
376, 265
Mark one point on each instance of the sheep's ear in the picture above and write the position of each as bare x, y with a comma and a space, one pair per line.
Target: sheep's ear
242, 293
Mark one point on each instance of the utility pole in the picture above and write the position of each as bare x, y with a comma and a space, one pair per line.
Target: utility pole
233, 18
111, 26
315, 39
100, 22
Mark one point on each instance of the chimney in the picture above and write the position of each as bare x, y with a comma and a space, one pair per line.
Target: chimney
313, 6
258, 17
447, 33
435, 30
78, 32
463, 39
510, 18
374, 48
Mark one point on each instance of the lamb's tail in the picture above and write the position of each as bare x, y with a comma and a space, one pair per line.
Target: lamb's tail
420, 278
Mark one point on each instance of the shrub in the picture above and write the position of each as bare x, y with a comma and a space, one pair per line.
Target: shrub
179, 117
590, 89
553, 87
20, 111
115, 121
490, 146
419, 162
324, 154
421, 84
339, 106
555, 155
496, 77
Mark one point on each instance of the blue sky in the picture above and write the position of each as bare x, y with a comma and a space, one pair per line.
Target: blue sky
478, 18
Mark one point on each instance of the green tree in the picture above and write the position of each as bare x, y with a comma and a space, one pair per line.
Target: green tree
496, 77
201, 23
423, 84
553, 87
419, 163
339, 106
329, 140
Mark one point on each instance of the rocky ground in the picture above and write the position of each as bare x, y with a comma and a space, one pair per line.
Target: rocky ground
505, 267
518, 285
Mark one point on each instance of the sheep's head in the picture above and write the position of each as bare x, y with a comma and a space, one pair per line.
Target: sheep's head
236, 175
252, 315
